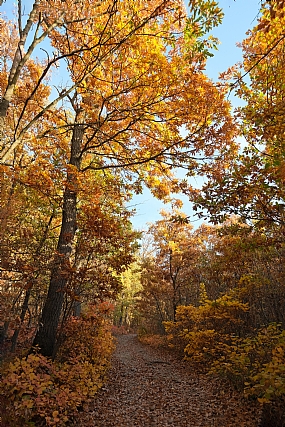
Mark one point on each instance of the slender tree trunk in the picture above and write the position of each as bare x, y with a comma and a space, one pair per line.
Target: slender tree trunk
47, 332
19, 60
121, 315
22, 317
25, 305
161, 327
4, 331
77, 308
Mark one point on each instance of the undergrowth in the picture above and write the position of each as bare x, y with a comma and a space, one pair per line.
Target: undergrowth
37, 391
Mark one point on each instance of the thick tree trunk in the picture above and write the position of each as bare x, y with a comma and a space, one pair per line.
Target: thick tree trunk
47, 332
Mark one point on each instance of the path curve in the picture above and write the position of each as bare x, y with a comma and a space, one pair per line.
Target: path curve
149, 388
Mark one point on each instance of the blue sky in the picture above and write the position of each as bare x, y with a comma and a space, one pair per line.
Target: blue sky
240, 15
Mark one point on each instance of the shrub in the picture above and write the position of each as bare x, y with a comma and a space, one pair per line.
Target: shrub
268, 383
214, 339
203, 332
244, 358
38, 390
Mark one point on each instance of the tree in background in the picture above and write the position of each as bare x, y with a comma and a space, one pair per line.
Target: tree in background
230, 259
249, 263
170, 272
126, 314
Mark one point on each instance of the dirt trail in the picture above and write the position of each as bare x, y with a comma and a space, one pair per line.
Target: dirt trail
148, 388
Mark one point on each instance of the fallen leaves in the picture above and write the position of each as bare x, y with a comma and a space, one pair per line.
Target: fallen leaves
149, 388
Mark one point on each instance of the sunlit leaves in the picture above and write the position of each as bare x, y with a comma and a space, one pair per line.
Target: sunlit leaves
252, 184
205, 16
37, 388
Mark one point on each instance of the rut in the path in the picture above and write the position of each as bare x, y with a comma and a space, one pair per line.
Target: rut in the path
151, 389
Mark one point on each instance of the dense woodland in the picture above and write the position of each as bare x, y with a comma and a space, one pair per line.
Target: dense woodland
99, 99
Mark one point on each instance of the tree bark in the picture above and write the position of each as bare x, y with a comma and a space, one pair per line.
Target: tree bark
47, 332
22, 317
25, 306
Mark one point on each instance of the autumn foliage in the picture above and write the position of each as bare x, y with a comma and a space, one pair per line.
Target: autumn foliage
38, 391
134, 105
233, 323
214, 341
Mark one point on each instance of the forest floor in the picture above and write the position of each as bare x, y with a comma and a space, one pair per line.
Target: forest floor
147, 387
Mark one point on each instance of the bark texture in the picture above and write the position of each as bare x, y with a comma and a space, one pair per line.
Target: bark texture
50, 319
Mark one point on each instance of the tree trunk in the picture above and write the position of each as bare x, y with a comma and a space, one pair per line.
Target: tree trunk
47, 332
25, 305
4, 332
22, 317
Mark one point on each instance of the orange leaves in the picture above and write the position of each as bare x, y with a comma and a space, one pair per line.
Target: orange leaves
132, 93
39, 389
130, 67
272, 12
253, 182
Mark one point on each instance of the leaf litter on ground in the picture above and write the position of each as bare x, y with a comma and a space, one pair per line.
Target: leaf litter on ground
148, 387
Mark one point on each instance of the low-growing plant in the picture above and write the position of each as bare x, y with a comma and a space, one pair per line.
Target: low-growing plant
244, 358
211, 338
268, 383
35, 389
203, 332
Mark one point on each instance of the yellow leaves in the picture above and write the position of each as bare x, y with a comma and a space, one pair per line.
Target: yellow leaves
263, 400
27, 402
206, 332
278, 353
159, 187
53, 390
200, 345
174, 247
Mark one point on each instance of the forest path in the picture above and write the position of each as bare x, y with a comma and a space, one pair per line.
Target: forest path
150, 388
